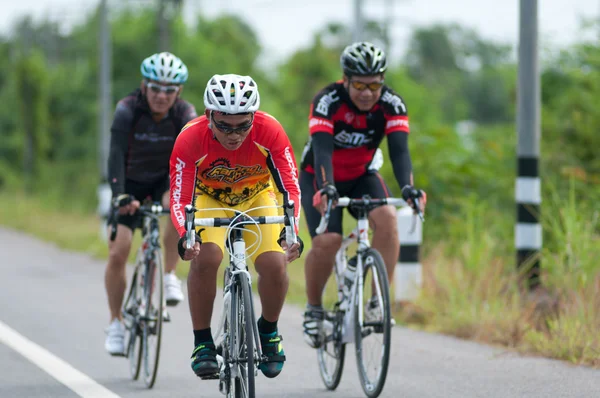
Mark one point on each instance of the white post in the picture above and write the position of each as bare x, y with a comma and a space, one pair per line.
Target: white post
408, 275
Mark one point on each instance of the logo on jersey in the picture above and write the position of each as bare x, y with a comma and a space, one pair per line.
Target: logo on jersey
221, 170
394, 101
353, 139
319, 122
349, 117
325, 102
177, 192
397, 123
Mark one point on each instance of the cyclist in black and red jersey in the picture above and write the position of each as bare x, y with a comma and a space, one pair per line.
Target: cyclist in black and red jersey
145, 126
347, 122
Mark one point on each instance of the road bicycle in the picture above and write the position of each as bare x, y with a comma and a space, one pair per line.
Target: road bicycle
143, 309
237, 339
362, 312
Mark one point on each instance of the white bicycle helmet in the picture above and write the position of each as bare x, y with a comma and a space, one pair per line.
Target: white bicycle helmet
231, 94
165, 68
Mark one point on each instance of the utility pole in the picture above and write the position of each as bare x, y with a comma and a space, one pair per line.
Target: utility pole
387, 25
163, 27
357, 32
528, 231
167, 9
105, 105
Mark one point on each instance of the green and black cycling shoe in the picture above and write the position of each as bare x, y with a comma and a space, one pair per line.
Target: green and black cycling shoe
272, 349
204, 360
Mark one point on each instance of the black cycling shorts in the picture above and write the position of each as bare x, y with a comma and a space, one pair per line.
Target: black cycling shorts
141, 191
371, 184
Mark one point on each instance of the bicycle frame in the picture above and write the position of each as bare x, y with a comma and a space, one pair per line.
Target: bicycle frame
360, 235
237, 265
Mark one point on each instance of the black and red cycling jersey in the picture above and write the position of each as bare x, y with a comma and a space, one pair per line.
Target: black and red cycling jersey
343, 140
140, 148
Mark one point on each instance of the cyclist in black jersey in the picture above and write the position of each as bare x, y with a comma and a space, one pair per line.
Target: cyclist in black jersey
145, 126
348, 120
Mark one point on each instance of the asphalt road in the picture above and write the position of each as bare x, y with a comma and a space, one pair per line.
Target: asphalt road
53, 314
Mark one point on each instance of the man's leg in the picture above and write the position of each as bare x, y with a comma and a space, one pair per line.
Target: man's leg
173, 292
319, 259
202, 288
319, 264
383, 222
115, 282
273, 284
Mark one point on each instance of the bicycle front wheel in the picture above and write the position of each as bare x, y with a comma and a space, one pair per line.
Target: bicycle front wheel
372, 320
153, 319
130, 313
332, 352
243, 341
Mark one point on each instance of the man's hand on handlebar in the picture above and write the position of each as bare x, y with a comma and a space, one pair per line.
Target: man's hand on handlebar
412, 195
189, 254
126, 204
322, 196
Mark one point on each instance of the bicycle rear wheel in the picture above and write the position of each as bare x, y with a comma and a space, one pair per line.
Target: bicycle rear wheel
332, 352
153, 319
130, 313
375, 329
243, 340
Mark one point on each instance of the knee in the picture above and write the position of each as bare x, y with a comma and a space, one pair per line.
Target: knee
117, 256
209, 259
384, 222
272, 264
326, 243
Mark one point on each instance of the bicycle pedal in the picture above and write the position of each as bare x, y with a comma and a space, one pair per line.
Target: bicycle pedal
214, 376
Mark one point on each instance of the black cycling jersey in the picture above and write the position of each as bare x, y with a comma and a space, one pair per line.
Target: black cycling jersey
140, 148
343, 139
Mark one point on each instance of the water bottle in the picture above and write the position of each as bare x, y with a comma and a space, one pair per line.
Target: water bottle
349, 273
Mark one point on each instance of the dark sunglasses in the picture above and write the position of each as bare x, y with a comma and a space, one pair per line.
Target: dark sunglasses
227, 129
157, 88
360, 86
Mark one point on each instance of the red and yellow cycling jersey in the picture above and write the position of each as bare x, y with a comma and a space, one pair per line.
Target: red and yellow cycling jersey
200, 165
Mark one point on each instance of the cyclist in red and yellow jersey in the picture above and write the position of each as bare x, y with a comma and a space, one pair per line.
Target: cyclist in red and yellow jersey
230, 158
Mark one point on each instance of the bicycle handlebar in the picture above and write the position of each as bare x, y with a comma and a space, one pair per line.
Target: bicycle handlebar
191, 222
153, 209
365, 202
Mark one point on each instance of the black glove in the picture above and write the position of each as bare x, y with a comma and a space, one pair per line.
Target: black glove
122, 200
282, 238
409, 192
330, 191
180, 245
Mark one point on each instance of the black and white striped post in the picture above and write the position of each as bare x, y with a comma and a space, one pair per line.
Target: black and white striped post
408, 274
528, 231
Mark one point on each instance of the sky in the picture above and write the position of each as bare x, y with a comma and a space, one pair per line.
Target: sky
286, 25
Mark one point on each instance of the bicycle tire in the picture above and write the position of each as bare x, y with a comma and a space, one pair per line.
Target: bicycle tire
152, 326
245, 330
332, 345
373, 260
130, 311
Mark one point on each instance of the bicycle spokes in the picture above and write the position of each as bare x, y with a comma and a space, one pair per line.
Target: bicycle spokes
373, 330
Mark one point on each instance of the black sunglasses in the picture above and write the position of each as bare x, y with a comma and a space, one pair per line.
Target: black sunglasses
227, 129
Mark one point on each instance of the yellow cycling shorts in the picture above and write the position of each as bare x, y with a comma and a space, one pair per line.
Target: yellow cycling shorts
269, 232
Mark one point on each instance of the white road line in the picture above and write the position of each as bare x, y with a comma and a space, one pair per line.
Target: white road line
78, 382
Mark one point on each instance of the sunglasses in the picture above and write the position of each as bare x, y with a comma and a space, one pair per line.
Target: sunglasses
360, 86
227, 129
157, 88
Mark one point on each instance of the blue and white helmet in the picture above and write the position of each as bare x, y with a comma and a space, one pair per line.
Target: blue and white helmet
165, 68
